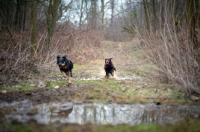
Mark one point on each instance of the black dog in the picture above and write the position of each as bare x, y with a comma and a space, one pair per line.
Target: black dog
109, 67
65, 66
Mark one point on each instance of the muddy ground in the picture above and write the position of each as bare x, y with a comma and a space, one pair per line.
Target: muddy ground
136, 81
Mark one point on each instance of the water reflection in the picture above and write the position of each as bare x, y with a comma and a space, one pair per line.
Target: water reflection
67, 112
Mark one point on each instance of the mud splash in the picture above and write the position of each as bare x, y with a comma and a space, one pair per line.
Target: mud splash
115, 78
68, 112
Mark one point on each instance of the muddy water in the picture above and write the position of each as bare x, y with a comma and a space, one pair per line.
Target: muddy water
115, 77
68, 112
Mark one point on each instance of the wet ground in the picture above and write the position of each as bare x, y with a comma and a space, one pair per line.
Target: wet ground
137, 94
97, 113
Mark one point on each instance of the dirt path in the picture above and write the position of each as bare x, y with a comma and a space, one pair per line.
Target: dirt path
134, 81
126, 58
123, 56
129, 60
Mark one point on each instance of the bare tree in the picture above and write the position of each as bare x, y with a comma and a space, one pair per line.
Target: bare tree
93, 18
112, 5
192, 9
81, 14
146, 14
102, 13
52, 18
33, 26
7, 27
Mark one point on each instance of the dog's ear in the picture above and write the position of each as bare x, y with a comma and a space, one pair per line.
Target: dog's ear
110, 58
58, 57
65, 57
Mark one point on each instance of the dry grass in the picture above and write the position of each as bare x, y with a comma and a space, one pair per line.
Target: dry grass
18, 62
173, 52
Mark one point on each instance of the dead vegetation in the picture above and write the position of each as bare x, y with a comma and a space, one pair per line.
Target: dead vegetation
17, 62
81, 45
174, 54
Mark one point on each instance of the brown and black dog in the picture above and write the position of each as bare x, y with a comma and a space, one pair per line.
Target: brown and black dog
109, 67
65, 66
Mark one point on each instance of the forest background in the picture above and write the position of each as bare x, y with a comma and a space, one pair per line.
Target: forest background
34, 32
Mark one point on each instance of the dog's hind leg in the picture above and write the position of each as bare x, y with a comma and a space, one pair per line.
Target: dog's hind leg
112, 73
107, 75
71, 74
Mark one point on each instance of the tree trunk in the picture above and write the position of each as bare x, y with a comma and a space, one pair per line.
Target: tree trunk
192, 22
94, 14
102, 14
51, 19
112, 18
7, 27
112, 10
154, 14
81, 15
197, 12
19, 15
33, 26
146, 15
24, 15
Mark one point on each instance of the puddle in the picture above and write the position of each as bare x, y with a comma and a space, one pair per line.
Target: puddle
68, 112
91, 78
115, 77
133, 77
100, 74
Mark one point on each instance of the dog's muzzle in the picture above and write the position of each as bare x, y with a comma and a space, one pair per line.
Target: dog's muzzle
107, 63
60, 65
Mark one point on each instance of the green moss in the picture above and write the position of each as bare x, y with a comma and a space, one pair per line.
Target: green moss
57, 73
184, 125
177, 95
98, 90
121, 91
26, 87
19, 128
102, 83
61, 83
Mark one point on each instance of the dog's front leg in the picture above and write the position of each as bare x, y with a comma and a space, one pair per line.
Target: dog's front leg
64, 74
69, 80
69, 77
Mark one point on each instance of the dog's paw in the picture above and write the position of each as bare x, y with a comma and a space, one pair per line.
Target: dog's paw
69, 84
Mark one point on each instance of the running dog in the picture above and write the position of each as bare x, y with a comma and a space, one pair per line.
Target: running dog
109, 67
65, 66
